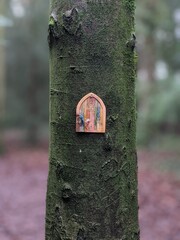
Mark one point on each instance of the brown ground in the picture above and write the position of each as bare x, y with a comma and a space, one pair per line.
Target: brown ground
23, 177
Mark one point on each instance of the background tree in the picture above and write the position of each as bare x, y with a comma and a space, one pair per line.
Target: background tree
92, 185
158, 24
28, 67
2, 59
4, 22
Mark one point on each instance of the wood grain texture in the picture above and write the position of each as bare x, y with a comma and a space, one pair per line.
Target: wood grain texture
91, 115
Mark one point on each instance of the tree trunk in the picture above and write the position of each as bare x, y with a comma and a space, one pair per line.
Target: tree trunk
92, 184
33, 86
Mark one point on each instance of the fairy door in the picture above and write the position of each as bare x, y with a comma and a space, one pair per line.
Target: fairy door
91, 115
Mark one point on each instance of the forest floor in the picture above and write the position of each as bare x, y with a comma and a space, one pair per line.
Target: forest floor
23, 178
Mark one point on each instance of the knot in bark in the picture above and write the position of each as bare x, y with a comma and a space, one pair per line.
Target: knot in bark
71, 21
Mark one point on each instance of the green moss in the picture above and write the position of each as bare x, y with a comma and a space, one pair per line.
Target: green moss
130, 5
135, 59
51, 22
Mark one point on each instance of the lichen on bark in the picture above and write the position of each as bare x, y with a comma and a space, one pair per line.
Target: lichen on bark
92, 183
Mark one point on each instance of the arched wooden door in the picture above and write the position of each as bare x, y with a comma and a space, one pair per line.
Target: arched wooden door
91, 114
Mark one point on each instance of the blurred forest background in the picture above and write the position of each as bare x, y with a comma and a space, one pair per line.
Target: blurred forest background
24, 67
24, 83
24, 70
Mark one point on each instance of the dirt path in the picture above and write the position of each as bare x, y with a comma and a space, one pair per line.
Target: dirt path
22, 196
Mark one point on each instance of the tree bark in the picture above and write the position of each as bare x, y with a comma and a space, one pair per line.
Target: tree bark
92, 183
